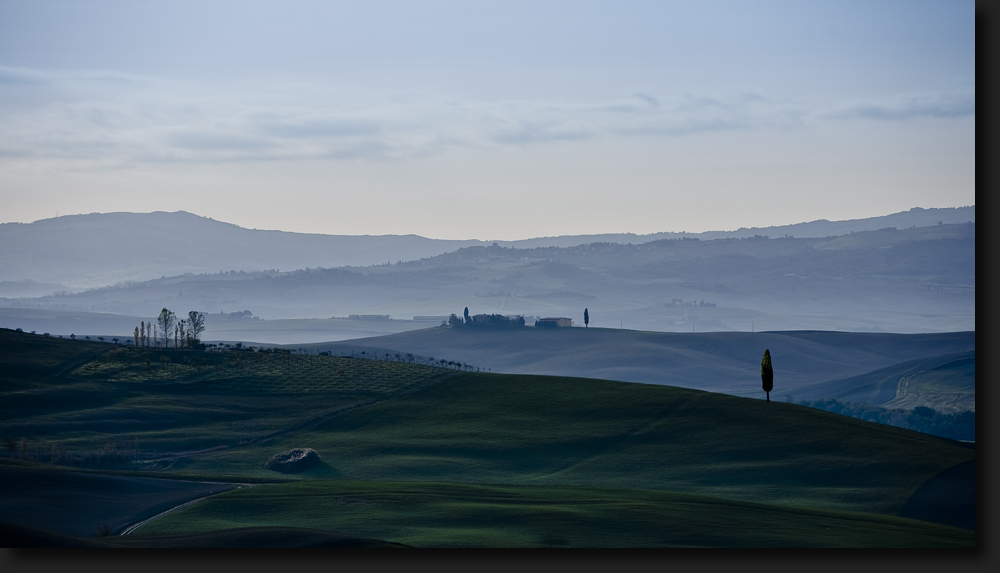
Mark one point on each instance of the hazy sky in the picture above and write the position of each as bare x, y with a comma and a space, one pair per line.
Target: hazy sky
488, 120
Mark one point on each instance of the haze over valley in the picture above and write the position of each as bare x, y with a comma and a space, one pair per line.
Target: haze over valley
919, 278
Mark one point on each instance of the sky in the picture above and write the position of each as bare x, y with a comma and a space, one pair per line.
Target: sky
487, 120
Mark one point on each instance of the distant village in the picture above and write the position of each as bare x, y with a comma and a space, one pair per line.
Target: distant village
480, 320
507, 320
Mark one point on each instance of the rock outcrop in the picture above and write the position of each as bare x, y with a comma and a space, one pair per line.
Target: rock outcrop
293, 461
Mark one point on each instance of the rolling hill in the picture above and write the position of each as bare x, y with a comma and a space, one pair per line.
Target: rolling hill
946, 383
727, 362
429, 456
920, 279
101, 249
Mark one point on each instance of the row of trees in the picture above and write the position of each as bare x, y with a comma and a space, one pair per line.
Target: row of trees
485, 320
958, 426
114, 453
186, 332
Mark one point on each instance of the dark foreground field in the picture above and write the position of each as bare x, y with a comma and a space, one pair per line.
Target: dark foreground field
423, 514
423, 456
15, 535
80, 504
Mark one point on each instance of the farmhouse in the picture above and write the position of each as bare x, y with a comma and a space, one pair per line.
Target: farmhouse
554, 321
496, 320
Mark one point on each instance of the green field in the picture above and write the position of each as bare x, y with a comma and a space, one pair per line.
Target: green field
100, 397
429, 456
494, 428
463, 515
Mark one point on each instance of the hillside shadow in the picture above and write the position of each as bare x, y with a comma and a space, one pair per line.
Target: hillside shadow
948, 498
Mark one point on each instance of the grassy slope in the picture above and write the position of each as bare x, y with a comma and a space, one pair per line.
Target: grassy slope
717, 361
26, 359
484, 429
175, 401
946, 383
463, 515
489, 428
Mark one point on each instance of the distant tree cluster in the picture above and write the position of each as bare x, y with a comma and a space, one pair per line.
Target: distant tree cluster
961, 426
409, 358
185, 333
233, 316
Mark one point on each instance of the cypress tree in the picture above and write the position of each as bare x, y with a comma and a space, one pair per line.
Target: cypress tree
767, 374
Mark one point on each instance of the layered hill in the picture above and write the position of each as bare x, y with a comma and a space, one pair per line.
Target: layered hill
99, 249
919, 279
806, 363
946, 383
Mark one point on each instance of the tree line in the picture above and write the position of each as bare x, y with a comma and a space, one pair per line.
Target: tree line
185, 332
960, 426
485, 320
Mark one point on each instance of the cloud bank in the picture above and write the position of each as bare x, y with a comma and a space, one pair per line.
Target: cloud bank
120, 119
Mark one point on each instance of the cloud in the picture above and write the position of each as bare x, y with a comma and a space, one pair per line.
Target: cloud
294, 125
25, 76
22, 76
213, 140
652, 101
959, 102
530, 132
688, 127
122, 119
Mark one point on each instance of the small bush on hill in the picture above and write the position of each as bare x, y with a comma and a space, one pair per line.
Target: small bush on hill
293, 461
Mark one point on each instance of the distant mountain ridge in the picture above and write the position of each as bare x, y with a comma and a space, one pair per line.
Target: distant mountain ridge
915, 217
100, 249
919, 279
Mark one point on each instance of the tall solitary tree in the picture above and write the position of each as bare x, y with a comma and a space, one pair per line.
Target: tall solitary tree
166, 321
586, 319
196, 325
466, 314
767, 374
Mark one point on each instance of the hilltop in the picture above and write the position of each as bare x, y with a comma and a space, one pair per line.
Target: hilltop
728, 362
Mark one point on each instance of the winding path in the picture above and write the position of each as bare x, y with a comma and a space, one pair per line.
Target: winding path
128, 529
